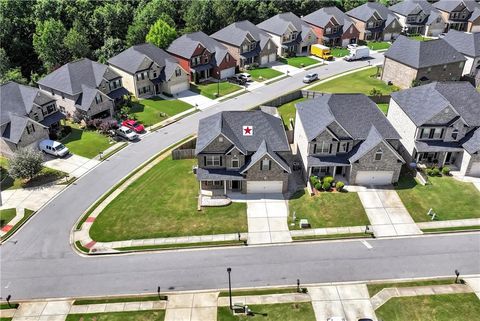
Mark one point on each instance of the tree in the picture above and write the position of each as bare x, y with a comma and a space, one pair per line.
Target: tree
110, 48
350, 4
25, 164
110, 20
14, 74
77, 43
48, 43
161, 34
4, 62
200, 15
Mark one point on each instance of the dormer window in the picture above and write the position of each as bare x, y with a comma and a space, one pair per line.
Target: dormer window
265, 166
378, 155
178, 72
220, 139
455, 134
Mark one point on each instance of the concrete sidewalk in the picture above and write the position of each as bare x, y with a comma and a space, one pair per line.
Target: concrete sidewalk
449, 223
32, 198
72, 164
192, 307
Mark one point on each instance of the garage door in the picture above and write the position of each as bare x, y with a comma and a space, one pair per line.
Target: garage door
374, 177
227, 72
175, 89
475, 169
264, 60
272, 57
387, 37
264, 187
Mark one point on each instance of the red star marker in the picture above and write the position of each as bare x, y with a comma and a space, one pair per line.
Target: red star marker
247, 130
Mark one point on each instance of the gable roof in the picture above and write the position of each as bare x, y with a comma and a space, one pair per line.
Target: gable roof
236, 33
368, 9
70, 77
464, 42
279, 23
472, 143
450, 5
263, 151
423, 54
408, 7
475, 15
322, 16
355, 113
374, 138
230, 124
424, 102
186, 45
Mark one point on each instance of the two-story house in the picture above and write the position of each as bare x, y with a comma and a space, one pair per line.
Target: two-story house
409, 62
375, 22
468, 44
419, 17
473, 24
203, 57
347, 136
439, 124
245, 151
27, 115
86, 87
332, 27
247, 43
291, 34
147, 70
457, 14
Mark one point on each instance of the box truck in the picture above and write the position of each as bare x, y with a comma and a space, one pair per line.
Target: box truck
357, 52
321, 52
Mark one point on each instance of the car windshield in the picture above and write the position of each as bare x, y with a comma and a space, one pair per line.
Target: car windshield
135, 124
59, 147
128, 131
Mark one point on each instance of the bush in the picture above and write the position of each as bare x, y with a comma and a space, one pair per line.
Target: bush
328, 179
77, 117
436, 171
446, 170
429, 172
375, 92
25, 164
340, 186
326, 186
314, 180
318, 186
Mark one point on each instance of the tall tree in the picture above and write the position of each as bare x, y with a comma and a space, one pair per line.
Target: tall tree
110, 20
48, 43
14, 74
350, 4
161, 34
200, 16
110, 48
76, 43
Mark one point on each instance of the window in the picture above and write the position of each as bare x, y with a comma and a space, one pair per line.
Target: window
378, 155
322, 148
461, 64
30, 129
50, 108
431, 133
455, 134
213, 160
444, 67
227, 58
35, 116
98, 98
114, 84
328, 31
154, 74
235, 163
195, 60
344, 147
265, 166
220, 139
178, 72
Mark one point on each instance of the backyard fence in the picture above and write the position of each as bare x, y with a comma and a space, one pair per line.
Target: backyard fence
185, 151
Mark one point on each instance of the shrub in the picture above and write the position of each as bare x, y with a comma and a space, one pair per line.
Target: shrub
25, 164
318, 186
77, 117
446, 170
429, 172
340, 186
328, 179
435, 171
326, 186
313, 180
375, 92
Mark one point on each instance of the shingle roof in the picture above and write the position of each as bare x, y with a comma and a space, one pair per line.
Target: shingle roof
373, 139
366, 11
230, 124
236, 33
464, 42
322, 16
412, 7
423, 54
450, 5
475, 15
70, 77
262, 151
472, 144
422, 103
186, 45
279, 23
356, 113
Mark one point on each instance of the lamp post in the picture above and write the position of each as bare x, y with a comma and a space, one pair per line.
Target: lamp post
229, 270
8, 300
457, 273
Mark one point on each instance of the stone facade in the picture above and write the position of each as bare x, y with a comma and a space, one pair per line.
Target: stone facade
31, 136
276, 173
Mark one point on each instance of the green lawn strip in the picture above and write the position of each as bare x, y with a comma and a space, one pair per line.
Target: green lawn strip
158, 315
378, 45
442, 307
288, 111
3, 168
272, 312
451, 229
116, 300
449, 198
6, 216
340, 52
420, 38
258, 292
46, 175
28, 214
374, 288
170, 121
163, 203
331, 236
210, 90
154, 110
328, 209
383, 108
5, 306
179, 246
300, 61
116, 150
263, 73
6, 319
85, 142
362, 81
268, 82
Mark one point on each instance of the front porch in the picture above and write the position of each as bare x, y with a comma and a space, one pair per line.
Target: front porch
219, 182
339, 173
201, 73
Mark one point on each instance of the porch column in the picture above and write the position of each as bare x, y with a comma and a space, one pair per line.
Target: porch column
444, 159
200, 186
225, 187
334, 171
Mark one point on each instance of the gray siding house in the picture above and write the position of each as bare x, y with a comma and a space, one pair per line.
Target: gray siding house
348, 137
245, 151
468, 44
419, 17
439, 124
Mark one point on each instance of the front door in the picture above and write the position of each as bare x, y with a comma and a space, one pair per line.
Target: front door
235, 185
448, 158
339, 170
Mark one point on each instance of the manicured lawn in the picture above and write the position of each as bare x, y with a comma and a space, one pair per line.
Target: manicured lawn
288, 111
262, 74
383, 108
158, 315
300, 62
210, 90
328, 209
445, 307
340, 52
272, 312
420, 38
374, 288
163, 203
449, 198
6, 216
85, 142
46, 175
362, 81
155, 110
116, 300
378, 45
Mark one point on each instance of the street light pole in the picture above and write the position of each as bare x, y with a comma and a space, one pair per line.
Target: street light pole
229, 270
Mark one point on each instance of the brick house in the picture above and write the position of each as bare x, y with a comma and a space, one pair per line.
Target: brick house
247, 43
244, 151
439, 124
203, 57
459, 14
468, 44
332, 27
419, 17
409, 60
348, 137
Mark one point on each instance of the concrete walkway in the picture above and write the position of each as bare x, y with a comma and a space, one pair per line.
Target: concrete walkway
32, 198
118, 307
449, 223
20, 213
474, 284
192, 307
264, 299
197, 100
45, 310
72, 164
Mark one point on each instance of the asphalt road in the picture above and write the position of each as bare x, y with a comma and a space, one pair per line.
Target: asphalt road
39, 261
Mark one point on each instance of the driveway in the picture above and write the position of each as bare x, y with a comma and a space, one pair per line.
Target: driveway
195, 99
386, 212
32, 198
74, 165
278, 66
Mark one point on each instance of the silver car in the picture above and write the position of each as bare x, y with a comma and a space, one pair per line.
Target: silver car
310, 77
127, 133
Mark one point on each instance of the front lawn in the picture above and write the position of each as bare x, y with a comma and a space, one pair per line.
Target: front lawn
420, 38
6, 216
378, 45
157, 315
272, 312
163, 203
445, 307
362, 81
383, 108
300, 61
374, 288
288, 111
154, 110
340, 52
46, 175
85, 142
328, 209
449, 198
210, 90
263, 73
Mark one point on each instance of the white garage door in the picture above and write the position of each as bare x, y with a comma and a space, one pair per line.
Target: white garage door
227, 73
175, 89
374, 177
475, 169
387, 37
272, 57
264, 60
264, 187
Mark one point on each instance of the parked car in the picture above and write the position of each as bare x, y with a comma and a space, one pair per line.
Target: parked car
237, 80
126, 133
336, 319
310, 77
365, 319
245, 76
53, 148
133, 125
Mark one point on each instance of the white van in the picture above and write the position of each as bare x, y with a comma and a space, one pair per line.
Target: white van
53, 148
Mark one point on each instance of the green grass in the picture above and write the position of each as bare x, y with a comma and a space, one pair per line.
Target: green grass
210, 90
374, 288
362, 81
445, 307
46, 175
331, 236
272, 312
180, 245
383, 108
85, 142
262, 74
116, 300
27, 215
6, 216
300, 61
163, 203
449, 198
158, 315
420, 38
258, 292
6, 319
451, 229
116, 150
340, 52
328, 209
4, 306
154, 110
288, 111
3, 168
378, 45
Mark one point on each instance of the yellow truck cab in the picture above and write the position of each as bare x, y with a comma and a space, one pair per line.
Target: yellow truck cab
321, 51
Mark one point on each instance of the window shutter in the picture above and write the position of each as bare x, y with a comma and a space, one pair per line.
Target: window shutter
441, 133
204, 160
421, 133
330, 150
221, 159
269, 165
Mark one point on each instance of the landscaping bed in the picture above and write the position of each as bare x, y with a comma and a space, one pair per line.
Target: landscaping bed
157, 315
288, 110
46, 175
116, 300
300, 61
263, 73
154, 110
210, 89
272, 312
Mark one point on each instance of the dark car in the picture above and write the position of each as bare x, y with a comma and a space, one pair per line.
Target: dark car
237, 80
